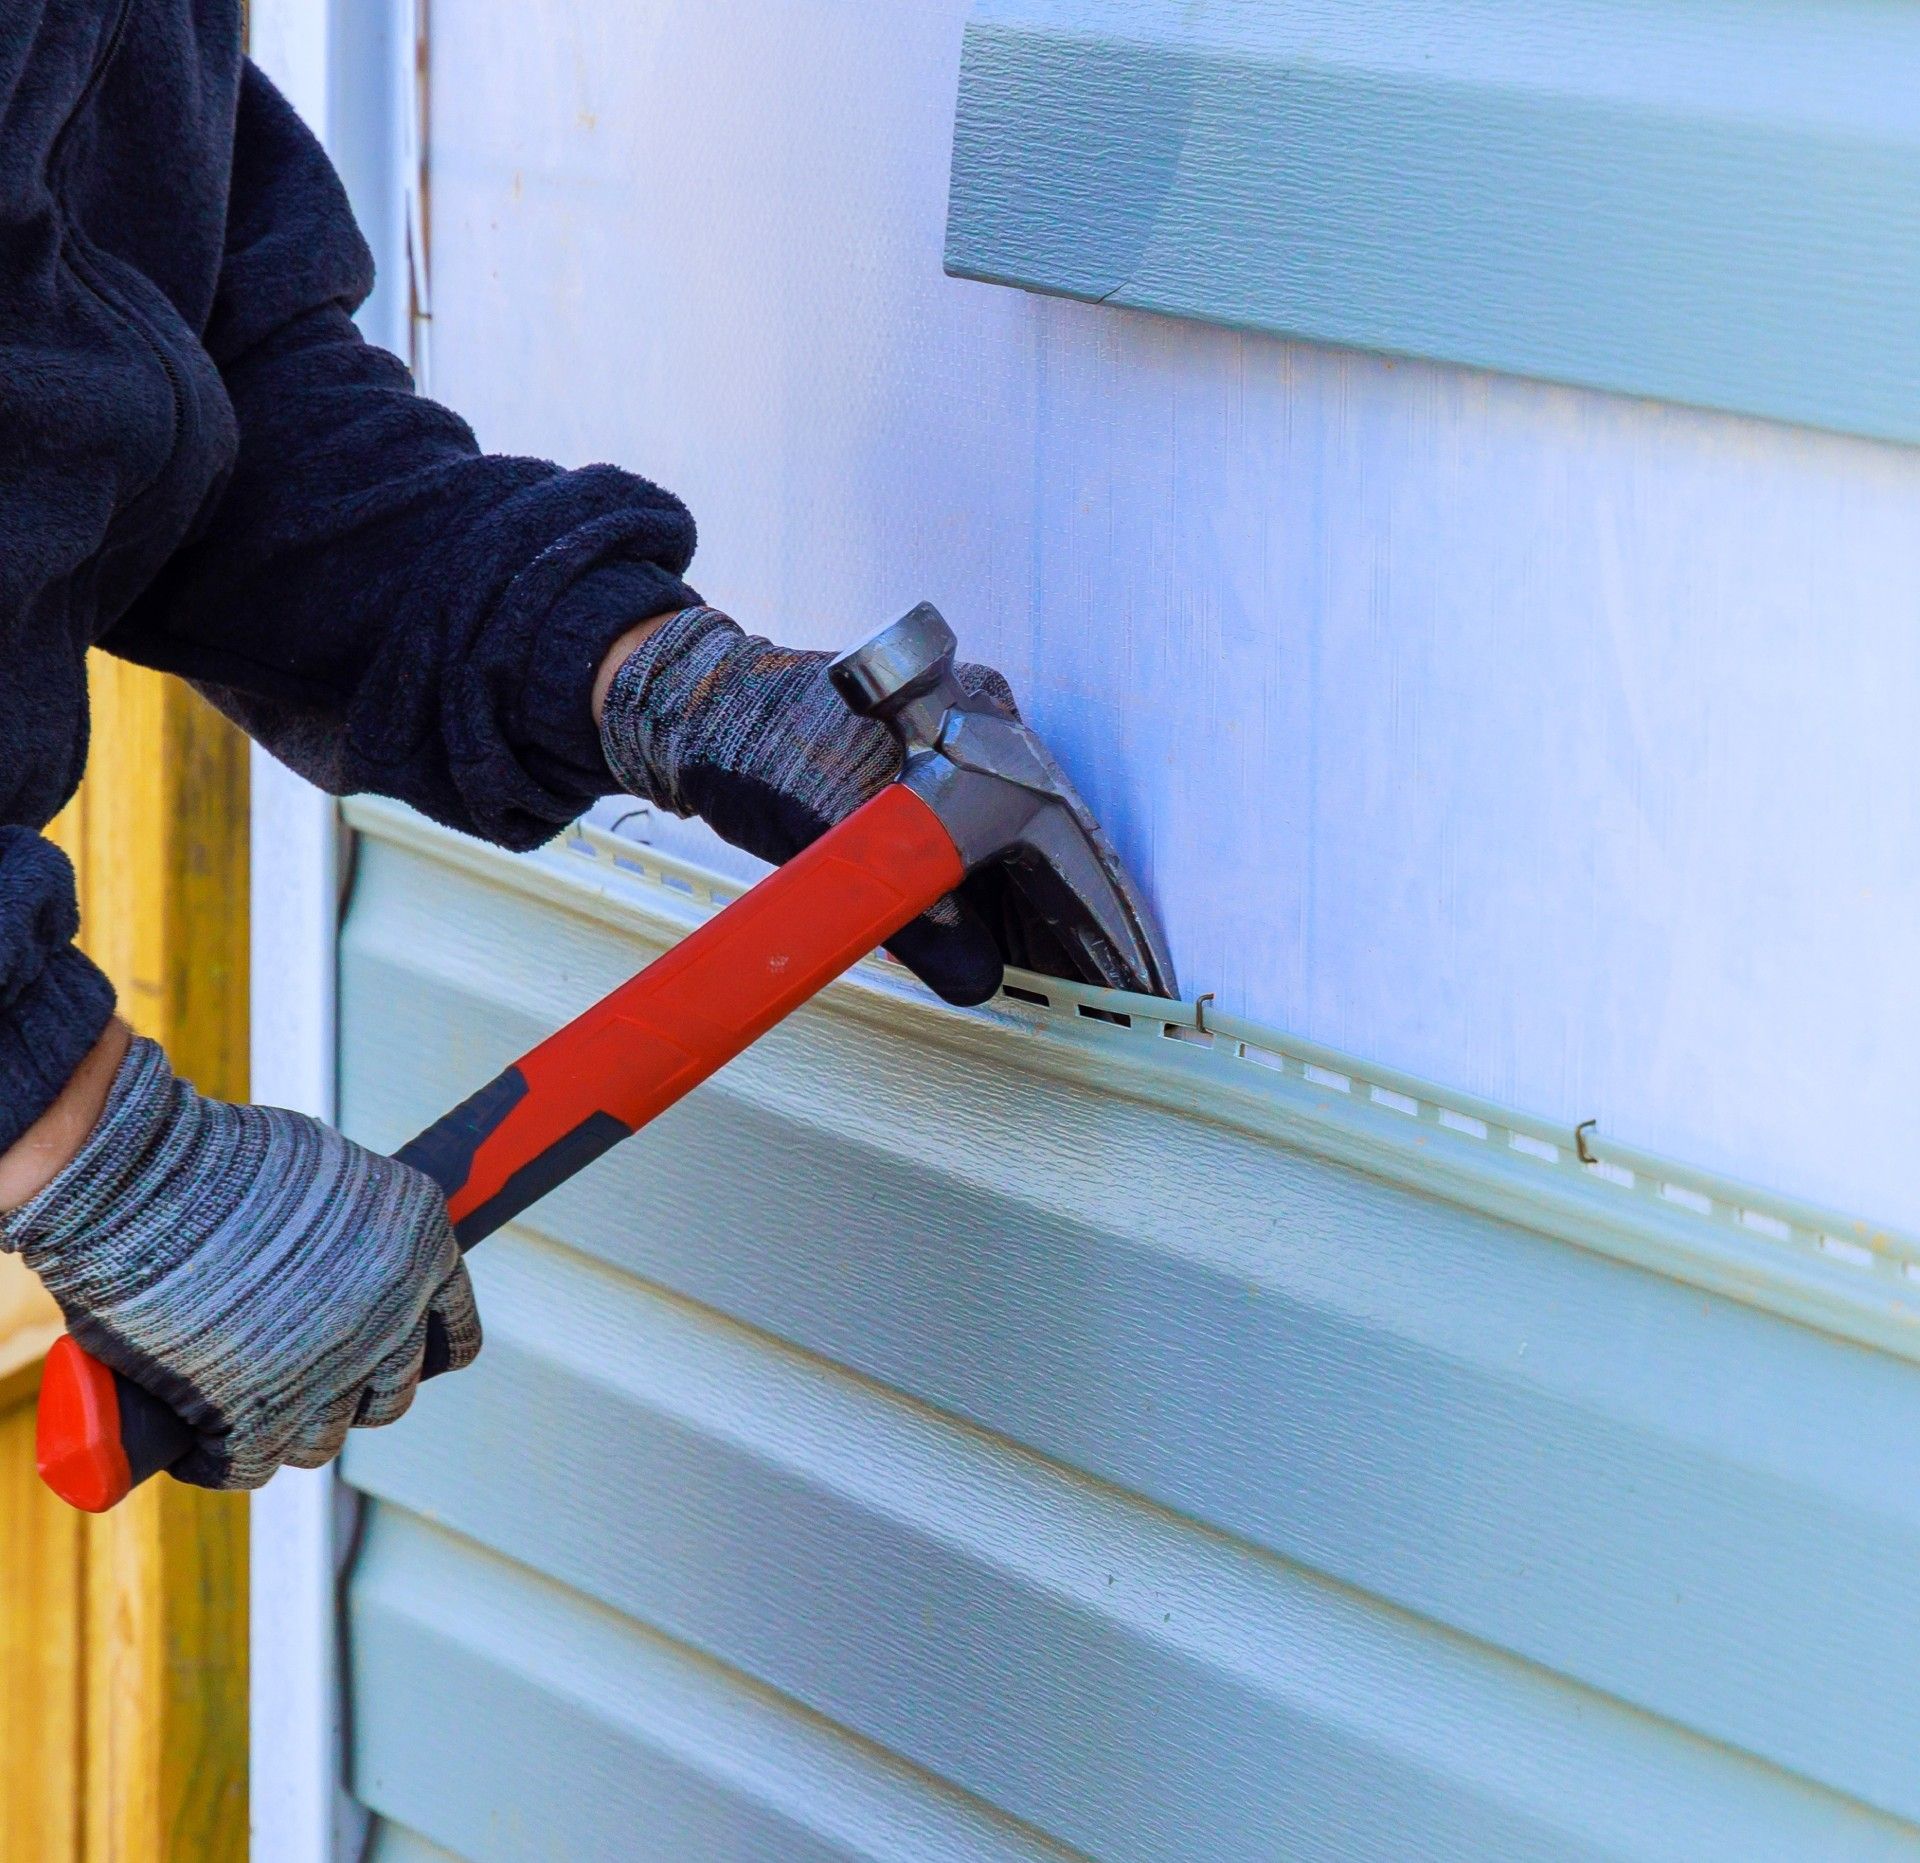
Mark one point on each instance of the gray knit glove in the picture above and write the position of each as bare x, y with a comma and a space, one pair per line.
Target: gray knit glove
704, 719
267, 1277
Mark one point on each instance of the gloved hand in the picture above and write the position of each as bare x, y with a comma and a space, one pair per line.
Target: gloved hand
269, 1279
705, 719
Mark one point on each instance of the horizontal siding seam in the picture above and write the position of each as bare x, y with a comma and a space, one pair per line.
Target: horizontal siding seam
1840, 1274
729, 1678
1025, 1505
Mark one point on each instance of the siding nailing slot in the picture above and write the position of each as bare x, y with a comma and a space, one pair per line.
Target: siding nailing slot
1638, 1176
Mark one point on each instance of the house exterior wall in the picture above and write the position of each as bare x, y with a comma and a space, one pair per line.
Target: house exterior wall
1550, 747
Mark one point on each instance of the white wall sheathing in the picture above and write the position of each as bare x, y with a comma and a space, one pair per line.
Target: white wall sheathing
1555, 747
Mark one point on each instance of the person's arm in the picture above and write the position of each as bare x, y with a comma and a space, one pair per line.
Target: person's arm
48, 1146
383, 605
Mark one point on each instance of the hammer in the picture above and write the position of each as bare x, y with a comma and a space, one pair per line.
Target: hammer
975, 787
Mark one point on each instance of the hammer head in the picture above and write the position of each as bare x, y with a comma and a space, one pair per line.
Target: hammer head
1002, 797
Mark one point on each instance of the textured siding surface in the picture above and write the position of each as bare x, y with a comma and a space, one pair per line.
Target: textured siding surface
981, 1436
1711, 200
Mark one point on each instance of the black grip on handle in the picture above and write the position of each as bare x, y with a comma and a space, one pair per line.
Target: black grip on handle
445, 1151
152, 1433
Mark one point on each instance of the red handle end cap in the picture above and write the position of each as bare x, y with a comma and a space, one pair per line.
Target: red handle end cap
77, 1433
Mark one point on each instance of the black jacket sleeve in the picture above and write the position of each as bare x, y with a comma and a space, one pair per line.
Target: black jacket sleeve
380, 603
54, 1002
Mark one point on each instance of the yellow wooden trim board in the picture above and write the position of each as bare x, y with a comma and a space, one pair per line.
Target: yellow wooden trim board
126, 1636
42, 1656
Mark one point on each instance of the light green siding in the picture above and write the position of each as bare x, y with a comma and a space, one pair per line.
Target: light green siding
1011, 1433
1708, 201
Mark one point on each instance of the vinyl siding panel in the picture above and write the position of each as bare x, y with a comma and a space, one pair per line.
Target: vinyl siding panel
968, 1434
488, 1687
394, 1843
1709, 201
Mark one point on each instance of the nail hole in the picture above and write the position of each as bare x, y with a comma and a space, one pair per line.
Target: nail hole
1533, 1147
1463, 1122
1854, 1254
1105, 1015
1026, 996
1326, 1077
1400, 1102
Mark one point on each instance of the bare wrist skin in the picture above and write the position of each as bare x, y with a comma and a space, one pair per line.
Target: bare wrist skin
616, 658
47, 1146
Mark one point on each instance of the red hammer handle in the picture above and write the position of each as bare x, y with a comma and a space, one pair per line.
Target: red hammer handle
581, 1091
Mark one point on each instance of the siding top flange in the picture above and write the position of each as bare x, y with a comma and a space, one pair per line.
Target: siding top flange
1819, 1267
